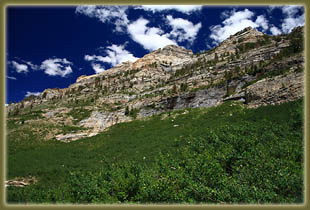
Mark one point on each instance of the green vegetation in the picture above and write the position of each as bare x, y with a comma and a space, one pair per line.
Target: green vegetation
223, 154
246, 46
242, 31
181, 72
79, 113
76, 103
30, 115
183, 87
264, 41
261, 74
296, 45
131, 72
277, 38
71, 129
131, 112
30, 98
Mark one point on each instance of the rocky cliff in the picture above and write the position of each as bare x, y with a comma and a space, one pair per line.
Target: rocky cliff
249, 66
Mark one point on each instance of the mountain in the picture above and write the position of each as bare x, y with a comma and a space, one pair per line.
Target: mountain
249, 66
224, 126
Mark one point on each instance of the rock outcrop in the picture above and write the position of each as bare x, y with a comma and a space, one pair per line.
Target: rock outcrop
20, 182
271, 91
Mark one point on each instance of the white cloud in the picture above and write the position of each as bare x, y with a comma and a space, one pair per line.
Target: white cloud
181, 8
150, 38
32, 93
56, 67
97, 68
107, 14
12, 78
32, 66
115, 54
183, 30
262, 22
275, 31
291, 10
19, 67
292, 19
232, 24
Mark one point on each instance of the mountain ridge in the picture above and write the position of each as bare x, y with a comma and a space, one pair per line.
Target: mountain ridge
171, 78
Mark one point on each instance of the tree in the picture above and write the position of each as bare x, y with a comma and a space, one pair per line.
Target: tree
237, 69
174, 89
237, 54
183, 87
216, 57
127, 111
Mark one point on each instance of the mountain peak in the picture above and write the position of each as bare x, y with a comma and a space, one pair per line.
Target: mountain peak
170, 54
173, 49
171, 46
247, 32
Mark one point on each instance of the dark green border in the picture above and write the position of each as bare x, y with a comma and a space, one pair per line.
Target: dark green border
4, 3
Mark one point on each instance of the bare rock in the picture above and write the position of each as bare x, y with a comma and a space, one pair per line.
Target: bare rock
275, 90
99, 121
20, 182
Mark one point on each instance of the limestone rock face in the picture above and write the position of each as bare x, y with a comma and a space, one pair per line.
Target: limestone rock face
275, 90
99, 121
249, 66
49, 94
167, 57
71, 137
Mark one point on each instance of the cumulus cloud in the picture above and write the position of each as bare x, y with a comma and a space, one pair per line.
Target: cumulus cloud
275, 31
107, 14
181, 8
292, 19
115, 54
236, 21
262, 22
151, 38
20, 68
233, 23
183, 30
56, 67
291, 10
32, 93
97, 68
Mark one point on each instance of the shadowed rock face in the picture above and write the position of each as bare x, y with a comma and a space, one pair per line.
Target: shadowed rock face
244, 67
202, 98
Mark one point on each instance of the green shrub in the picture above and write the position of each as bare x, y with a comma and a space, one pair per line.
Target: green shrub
224, 154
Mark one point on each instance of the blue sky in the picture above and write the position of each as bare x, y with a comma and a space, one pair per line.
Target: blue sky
50, 47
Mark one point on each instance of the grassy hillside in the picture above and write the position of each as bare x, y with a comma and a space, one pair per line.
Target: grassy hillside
223, 154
